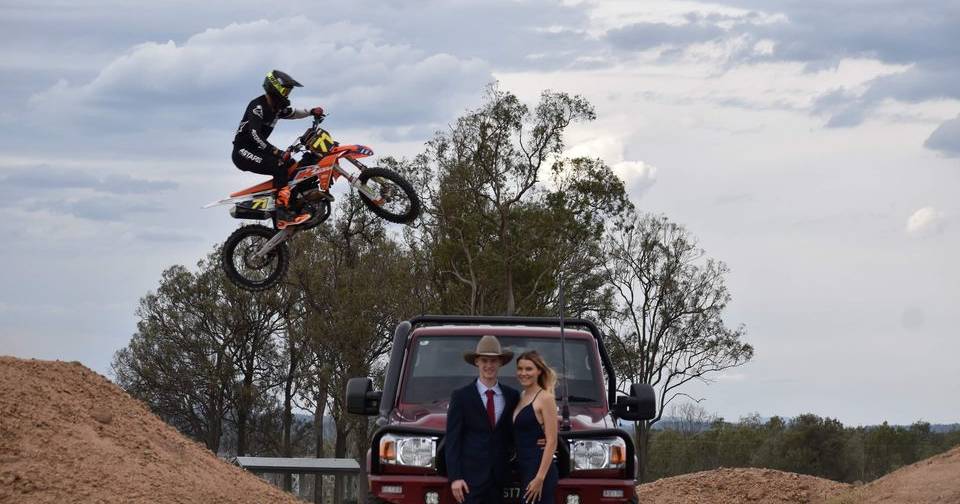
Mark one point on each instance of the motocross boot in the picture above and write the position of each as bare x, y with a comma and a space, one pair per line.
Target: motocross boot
287, 216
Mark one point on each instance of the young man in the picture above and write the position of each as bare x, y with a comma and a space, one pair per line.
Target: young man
479, 429
251, 150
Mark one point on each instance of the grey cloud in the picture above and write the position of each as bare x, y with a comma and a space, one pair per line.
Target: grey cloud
176, 77
649, 35
847, 117
107, 209
169, 236
125, 184
502, 32
363, 81
819, 33
946, 138
922, 82
45, 178
898, 31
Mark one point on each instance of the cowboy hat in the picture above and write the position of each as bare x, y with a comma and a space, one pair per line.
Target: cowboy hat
488, 346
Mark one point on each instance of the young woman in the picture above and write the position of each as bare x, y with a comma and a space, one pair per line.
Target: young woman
535, 428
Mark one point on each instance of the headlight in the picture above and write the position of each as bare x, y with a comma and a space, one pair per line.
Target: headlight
417, 451
587, 454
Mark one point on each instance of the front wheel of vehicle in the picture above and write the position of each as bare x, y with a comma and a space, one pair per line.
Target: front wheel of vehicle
394, 198
244, 268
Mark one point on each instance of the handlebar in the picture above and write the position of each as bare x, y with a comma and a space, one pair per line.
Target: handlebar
302, 139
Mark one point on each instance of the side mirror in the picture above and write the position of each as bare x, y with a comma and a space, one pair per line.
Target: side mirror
361, 398
641, 404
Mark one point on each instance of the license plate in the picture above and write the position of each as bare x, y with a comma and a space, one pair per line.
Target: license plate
511, 493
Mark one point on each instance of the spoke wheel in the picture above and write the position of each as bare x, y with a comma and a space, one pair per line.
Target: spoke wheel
395, 200
244, 268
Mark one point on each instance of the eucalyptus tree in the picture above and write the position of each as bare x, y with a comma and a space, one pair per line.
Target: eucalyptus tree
507, 213
197, 357
670, 300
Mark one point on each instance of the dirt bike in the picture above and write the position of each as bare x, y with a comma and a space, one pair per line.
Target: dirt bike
255, 257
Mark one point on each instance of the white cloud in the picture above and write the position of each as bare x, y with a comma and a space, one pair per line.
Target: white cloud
637, 175
344, 66
925, 221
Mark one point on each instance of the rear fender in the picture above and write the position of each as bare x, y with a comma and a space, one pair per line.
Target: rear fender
265, 196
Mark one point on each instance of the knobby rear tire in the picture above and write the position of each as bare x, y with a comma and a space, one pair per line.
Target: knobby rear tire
406, 217
277, 261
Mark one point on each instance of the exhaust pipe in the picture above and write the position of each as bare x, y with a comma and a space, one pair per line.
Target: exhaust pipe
239, 212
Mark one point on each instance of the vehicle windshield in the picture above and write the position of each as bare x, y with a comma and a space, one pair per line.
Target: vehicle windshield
439, 368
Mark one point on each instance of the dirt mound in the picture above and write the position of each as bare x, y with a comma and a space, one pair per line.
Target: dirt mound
936, 479
736, 486
68, 434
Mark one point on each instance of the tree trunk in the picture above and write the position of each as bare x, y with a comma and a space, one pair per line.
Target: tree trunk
361, 444
321, 400
243, 409
287, 449
213, 434
511, 301
214, 420
642, 439
339, 451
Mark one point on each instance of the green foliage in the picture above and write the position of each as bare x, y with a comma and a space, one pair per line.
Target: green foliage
498, 236
807, 444
192, 338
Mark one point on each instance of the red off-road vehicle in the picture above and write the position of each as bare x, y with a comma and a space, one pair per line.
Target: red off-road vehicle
405, 465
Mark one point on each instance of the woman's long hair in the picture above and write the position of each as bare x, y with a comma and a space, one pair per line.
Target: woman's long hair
548, 377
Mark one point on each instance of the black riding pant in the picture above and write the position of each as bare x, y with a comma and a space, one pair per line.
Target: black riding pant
262, 163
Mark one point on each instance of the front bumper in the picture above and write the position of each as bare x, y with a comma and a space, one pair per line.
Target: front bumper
414, 489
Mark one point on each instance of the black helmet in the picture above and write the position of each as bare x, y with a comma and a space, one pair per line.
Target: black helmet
278, 85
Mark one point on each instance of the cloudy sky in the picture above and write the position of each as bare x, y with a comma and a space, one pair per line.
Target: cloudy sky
813, 146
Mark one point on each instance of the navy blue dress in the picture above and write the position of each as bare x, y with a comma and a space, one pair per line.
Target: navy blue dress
527, 431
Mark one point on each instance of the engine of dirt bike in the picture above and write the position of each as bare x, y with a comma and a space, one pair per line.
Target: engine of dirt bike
304, 196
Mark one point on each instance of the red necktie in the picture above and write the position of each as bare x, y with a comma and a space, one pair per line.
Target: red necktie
491, 411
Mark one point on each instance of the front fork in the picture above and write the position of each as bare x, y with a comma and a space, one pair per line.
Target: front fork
355, 181
277, 239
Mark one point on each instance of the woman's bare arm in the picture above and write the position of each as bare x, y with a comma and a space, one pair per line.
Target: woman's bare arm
546, 405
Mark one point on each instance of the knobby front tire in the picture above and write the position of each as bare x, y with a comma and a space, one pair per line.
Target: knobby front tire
248, 272
398, 201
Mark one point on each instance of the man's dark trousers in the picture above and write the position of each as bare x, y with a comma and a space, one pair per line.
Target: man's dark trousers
476, 452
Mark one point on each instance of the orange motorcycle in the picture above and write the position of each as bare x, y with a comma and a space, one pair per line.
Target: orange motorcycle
255, 257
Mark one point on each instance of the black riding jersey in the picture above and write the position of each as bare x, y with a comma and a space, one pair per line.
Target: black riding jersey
257, 124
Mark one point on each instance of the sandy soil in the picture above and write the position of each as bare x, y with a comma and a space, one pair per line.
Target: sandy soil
68, 434
737, 486
934, 480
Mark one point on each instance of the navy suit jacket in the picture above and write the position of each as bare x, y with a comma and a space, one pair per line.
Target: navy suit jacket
474, 451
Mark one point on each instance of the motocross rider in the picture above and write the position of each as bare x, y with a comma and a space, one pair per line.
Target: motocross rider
253, 153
